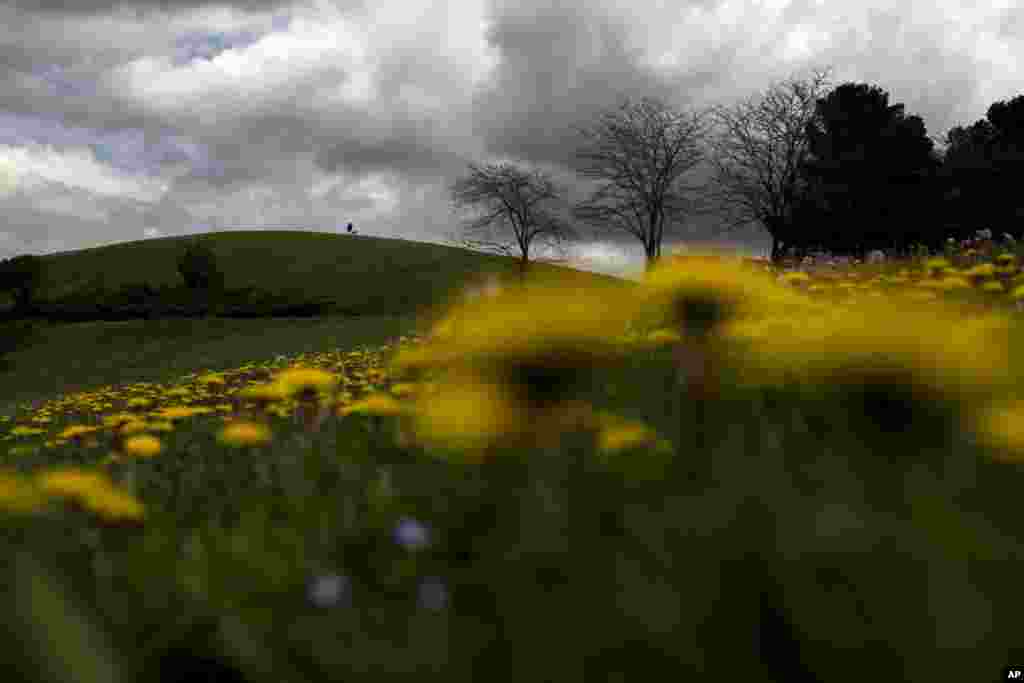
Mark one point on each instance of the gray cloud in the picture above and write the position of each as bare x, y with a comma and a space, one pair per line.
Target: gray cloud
121, 120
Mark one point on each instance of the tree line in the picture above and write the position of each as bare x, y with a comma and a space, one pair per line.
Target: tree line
841, 171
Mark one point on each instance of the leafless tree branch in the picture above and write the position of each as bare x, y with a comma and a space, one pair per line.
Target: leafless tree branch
641, 151
512, 198
757, 156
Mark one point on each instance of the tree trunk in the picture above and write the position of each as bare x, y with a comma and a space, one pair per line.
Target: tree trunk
778, 249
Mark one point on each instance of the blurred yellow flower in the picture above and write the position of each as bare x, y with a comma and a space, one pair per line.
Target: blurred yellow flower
296, 379
93, 490
525, 322
26, 431
467, 416
143, 445
617, 434
944, 349
19, 494
76, 431
994, 287
1001, 424
119, 419
271, 391
402, 389
981, 270
375, 404
702, 290
245, 433
174, 412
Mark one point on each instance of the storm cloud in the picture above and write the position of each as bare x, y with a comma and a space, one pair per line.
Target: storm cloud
126, 120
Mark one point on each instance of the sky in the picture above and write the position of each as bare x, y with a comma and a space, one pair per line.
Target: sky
121, 121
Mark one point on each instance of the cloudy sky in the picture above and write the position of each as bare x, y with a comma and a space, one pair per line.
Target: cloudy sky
126, 120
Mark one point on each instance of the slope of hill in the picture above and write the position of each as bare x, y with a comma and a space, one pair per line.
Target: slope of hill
364, 275
383, 288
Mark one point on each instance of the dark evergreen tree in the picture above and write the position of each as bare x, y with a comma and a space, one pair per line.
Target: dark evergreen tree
198, 268
22, 277
980, 173
869, 173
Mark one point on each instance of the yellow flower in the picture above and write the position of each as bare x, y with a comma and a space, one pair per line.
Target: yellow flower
75, 431
940, 345
796, 276
173, 412
618, 434
662, 337
117, 506
525, 322
245, 433
1001, 424
402, 389
981, 270
119, 419
375, 404
71, 482
93, 490
143, 445
26, 431
704, 291
19, 494
296, 379
946, 284
992, 287
468, 416
271, 391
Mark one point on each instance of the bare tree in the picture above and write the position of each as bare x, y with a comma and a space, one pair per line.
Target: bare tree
512, 198
758, 156
641, 150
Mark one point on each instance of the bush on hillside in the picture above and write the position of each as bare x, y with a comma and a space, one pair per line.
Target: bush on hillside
22, 277
198, 268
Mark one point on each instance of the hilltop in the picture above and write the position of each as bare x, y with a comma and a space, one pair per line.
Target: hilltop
383, 288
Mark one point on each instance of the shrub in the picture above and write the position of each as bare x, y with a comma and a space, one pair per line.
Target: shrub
22, 276
198, 268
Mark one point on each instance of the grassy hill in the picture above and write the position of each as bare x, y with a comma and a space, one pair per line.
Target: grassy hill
383, 288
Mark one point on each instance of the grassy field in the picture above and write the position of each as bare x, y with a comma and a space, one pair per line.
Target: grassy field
385, 285
782, 476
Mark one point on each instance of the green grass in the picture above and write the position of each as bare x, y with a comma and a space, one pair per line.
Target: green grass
866, 523
384, 285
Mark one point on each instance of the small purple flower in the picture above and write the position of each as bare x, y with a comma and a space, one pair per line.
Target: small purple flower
411, 534
433, 594
329, 591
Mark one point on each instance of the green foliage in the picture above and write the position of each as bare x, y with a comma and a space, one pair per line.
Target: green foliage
806, 549
47, 634
22, 276
144, 301
198, 268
